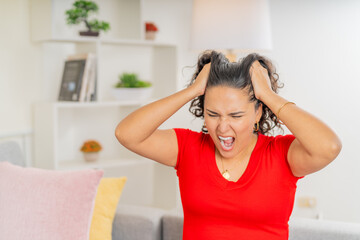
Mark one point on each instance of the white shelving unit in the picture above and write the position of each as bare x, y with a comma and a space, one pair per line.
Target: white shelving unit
62, 127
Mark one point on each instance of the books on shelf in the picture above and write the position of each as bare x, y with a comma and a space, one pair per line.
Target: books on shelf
79, 78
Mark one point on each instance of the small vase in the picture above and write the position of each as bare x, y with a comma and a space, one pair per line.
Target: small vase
150, 35
91, 156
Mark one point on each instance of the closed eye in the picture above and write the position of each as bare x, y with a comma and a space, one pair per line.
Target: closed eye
236, 116
212, 115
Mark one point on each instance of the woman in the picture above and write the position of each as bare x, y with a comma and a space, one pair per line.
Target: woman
235, 182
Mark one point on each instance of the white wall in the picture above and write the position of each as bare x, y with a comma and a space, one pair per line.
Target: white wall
315, 47
20, 66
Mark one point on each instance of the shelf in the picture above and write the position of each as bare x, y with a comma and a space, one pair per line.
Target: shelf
137, 42
97, 104
10, 134
133, 42
102, 163
101, 104
71, 40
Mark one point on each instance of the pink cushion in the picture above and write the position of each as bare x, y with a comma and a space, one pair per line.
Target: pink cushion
46, 204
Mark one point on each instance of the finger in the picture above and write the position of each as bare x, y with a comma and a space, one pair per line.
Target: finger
251, 70
258, 64
207, 67
254, 66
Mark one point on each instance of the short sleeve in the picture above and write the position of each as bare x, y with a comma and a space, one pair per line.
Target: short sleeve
283, 144
182, 136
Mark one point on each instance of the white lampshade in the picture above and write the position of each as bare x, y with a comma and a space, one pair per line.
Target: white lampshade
238, 25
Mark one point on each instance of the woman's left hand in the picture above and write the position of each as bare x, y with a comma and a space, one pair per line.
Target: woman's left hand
260, 80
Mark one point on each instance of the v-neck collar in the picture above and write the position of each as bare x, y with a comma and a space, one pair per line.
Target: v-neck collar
249, 172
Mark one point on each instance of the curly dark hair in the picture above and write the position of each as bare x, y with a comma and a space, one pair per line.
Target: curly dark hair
236, 75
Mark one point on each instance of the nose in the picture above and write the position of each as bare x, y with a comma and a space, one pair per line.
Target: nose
224, 125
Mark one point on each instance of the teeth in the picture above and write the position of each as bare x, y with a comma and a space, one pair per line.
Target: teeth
224, 139
226, 143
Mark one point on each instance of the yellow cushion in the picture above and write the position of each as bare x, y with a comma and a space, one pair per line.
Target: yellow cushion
106, 201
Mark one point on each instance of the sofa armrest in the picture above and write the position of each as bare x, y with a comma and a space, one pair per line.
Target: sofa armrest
172, 225
133, 222
137, 223
311, 229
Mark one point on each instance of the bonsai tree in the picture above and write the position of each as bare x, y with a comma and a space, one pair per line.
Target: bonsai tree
131, 80
80, 13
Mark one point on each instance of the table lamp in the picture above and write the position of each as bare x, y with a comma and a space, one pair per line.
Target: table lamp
231, 26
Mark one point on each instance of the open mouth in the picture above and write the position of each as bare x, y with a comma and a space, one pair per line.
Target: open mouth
227, 142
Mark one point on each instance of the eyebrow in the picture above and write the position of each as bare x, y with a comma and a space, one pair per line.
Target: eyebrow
231, 114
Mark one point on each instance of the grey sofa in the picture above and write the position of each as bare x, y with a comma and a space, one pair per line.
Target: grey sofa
145, 223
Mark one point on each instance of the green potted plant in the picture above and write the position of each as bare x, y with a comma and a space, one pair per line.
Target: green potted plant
130, 87
80, 13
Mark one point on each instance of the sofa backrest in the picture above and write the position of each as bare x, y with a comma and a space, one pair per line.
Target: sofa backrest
10, 151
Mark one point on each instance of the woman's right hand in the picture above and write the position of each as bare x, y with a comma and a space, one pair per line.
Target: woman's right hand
201, 80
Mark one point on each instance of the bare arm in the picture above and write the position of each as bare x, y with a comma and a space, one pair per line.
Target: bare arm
315, 146
139, 131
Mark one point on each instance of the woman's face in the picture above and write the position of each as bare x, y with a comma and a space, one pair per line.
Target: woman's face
230, 119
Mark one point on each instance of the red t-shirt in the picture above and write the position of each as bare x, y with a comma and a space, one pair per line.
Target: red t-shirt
257, 206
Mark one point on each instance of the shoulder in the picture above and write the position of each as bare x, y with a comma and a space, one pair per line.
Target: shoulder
279, 143
278, 140
187, 137
283, 141
189, 144
277, 149
185, 133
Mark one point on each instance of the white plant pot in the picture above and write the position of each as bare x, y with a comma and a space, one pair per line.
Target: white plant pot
150, 35
132, 93
91, 156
